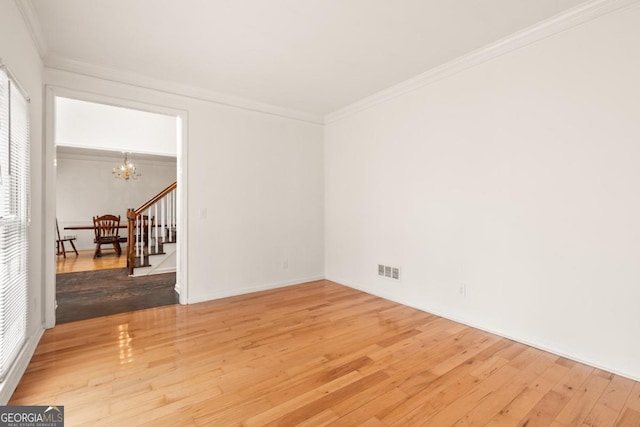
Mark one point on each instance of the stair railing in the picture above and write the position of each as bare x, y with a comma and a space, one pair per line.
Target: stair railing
151, 225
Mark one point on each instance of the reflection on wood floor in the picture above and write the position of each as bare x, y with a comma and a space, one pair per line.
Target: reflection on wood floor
85, 262
312, 354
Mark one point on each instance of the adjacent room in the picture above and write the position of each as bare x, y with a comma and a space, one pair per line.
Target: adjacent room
110, 160
373, 213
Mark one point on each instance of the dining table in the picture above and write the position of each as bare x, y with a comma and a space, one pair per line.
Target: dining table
123, 239
87, 227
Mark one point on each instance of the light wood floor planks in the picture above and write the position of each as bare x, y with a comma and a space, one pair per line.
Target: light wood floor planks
85, 261
313, 354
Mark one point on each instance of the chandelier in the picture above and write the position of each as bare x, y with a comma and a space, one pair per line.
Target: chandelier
125, 170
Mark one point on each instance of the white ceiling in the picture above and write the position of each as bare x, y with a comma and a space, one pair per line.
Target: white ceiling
313, 56
105, 127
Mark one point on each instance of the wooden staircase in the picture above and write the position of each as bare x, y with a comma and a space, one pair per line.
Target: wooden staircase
149, 251
151, 232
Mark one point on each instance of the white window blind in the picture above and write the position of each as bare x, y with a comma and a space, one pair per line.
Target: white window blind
14, 219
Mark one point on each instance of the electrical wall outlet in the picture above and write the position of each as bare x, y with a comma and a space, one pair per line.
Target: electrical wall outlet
462, 290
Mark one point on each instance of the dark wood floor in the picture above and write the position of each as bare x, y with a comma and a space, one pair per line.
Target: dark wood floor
88, 294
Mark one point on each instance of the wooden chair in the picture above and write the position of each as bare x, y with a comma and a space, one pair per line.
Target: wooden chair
107, 229
60, 242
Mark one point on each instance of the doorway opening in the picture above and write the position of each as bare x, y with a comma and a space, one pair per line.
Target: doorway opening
89, 139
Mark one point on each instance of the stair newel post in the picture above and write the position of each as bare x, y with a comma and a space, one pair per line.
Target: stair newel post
131, 217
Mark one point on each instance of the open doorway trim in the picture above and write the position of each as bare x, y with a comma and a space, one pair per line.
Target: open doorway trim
49, 185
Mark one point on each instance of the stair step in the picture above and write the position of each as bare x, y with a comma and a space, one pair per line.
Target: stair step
149, 251
141, 262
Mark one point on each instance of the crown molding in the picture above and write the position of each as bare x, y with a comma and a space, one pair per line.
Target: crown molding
33, 26
141, 81
58, 62
571, 18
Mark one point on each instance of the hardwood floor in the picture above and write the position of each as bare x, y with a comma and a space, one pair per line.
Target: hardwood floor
85, 262
87, 294
87, 287
312, 354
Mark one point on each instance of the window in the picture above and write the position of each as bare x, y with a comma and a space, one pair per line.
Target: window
14, 220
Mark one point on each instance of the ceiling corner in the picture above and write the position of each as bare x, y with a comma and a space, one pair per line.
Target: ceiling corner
33, 25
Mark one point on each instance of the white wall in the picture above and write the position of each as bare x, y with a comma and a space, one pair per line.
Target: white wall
518, 178
86, 188
19, 53
107, 127
255, 195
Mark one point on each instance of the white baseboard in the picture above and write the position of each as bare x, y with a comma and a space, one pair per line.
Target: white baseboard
431, 310
264, 287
